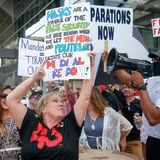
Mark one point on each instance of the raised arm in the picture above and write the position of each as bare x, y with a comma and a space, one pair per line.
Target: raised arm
81, 104
17, 109
124, 77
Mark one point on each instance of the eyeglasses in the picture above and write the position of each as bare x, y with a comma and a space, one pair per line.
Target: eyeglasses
3, 95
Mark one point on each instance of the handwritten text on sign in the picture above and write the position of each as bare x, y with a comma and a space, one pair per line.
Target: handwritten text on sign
31, 55
67, 42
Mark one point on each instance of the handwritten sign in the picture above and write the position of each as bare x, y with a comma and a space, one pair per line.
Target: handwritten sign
156, 27
31, 55
67, 42
110, 24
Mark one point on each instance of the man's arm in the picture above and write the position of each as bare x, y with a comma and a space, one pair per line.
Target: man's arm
151, 111
124, 77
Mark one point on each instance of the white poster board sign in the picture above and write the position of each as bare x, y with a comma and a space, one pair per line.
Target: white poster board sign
111, 24
112, 27
67, 40
31, 55
156, 27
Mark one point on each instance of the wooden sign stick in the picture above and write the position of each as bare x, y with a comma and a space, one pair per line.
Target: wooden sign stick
105, 62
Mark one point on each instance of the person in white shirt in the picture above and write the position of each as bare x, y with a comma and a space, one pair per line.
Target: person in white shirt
150, 103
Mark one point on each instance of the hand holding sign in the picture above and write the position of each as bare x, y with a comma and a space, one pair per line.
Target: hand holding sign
105, 56
105, 59
39, 73
106, 50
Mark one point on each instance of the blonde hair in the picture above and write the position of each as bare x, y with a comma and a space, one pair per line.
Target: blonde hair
43, 102
98, 101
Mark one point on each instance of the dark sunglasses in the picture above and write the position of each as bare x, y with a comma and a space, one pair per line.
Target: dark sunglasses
3, 95
37, 97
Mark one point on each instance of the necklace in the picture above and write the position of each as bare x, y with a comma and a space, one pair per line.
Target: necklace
93, 127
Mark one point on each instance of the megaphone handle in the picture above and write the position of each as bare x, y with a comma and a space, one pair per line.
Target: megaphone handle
105, 62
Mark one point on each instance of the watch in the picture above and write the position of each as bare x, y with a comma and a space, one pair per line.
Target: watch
143, 87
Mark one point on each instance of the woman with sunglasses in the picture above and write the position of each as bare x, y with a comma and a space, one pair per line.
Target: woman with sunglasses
9, 135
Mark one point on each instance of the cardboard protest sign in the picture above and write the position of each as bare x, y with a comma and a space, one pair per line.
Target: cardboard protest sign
156, 27
67, 42
113, 27
31, 55
110, 24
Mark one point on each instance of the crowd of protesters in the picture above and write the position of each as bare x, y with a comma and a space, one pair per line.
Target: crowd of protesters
50, 120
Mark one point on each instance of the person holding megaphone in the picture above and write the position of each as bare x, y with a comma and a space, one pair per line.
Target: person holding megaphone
149, 90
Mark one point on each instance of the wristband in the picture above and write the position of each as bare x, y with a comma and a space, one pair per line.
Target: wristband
143, 87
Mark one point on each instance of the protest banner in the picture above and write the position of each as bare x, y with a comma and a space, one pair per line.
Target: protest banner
156, 27
30, 56
67, 42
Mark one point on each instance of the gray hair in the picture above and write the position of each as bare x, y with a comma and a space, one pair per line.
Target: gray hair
43, 102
